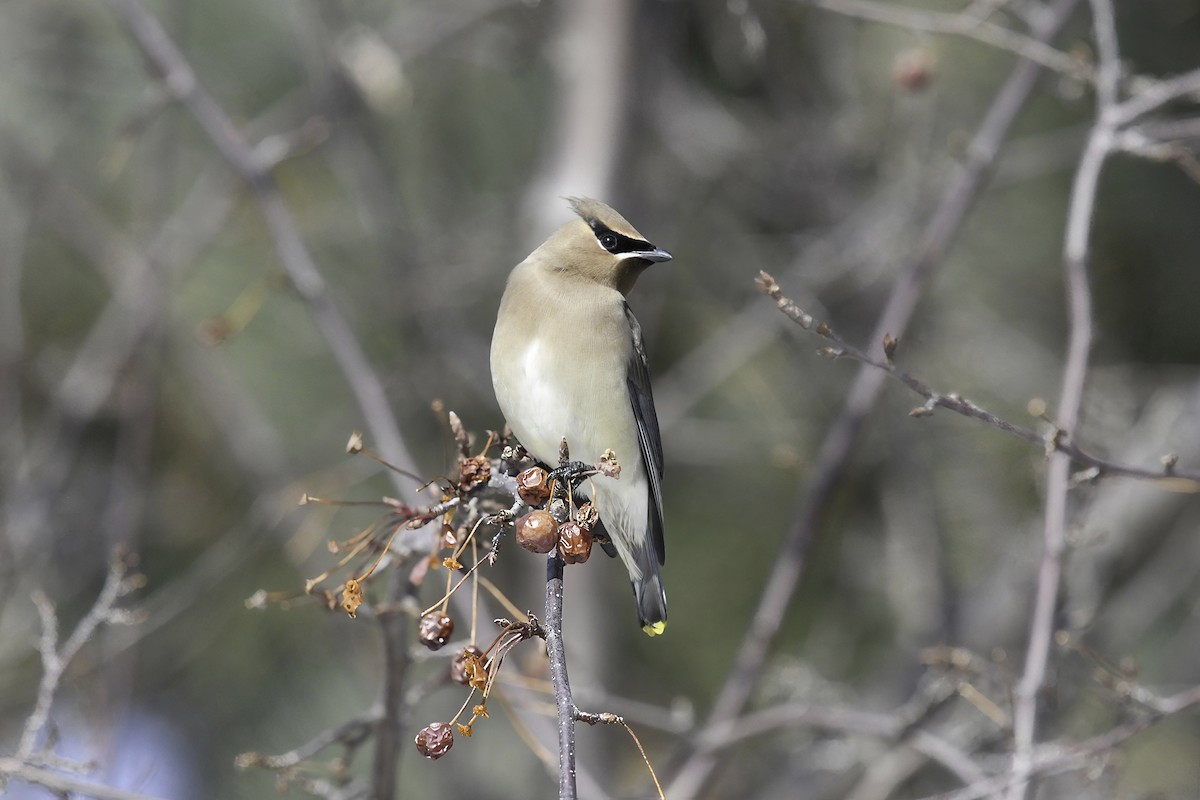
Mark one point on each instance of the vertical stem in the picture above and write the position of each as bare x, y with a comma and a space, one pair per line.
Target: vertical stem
558, 676
394, 625
1079, 343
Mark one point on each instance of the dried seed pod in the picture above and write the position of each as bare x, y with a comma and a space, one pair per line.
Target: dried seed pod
460, 672
435, 630
461, 437
574, 542
352, 597
587, 516
435, 740
533, 486
608, 464
537, 532
473, 471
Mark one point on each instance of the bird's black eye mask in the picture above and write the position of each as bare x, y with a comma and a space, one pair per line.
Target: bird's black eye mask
617, 243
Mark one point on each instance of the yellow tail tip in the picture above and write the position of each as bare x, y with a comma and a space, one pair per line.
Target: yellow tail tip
654, 628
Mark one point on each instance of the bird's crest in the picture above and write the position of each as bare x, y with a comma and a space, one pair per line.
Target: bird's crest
600, 215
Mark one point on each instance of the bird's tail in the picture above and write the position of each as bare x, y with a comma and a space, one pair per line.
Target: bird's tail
649, 592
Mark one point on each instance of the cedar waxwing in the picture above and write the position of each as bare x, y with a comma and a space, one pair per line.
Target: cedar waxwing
568, 362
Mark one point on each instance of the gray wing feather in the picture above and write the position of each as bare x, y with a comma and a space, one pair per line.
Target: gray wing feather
649, 438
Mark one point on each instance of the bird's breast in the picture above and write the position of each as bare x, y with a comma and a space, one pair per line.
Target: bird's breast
555, 389
541, 406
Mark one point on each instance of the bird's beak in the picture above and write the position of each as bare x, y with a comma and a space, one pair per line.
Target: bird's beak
654, 255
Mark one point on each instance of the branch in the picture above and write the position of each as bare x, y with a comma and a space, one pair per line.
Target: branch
835, 449
253, 166
27, 764
395, 627
1156, 96
965, 24
558, 676
1057, 757
63, 785
891, 727
351, 733
117, 584
1079, 300
1059, 441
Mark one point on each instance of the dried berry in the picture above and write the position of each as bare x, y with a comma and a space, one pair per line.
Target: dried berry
435, 740
473, 472
574, 542
533, 486
465, 663
913, 69
435, 630
537, 532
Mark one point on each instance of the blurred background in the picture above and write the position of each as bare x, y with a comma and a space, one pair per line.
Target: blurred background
163, 386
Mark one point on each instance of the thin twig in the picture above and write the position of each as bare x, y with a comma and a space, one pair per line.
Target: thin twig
27, 763
1057, 441
351, 733
55, 661
608, 718
970, 25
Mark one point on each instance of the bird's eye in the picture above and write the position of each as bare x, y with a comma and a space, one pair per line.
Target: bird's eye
608, 242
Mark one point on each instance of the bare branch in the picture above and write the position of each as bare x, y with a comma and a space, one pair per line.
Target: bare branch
350, 733
1060, 756
558, 676
845, 720
1058, 483
1156, 96
836, 447
55, 661
1057, 441
253, 167
27, 763
970, 25
395, 627
16, 769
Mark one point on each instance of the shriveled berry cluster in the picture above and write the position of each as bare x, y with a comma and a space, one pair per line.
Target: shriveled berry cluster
541, 530
477, 669
469, 506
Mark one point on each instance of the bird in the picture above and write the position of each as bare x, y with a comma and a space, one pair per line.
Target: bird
568, 361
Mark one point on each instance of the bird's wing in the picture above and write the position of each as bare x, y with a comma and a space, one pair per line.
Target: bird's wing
637, 378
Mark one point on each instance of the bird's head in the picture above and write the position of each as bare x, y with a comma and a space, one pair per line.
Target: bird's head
601, 246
